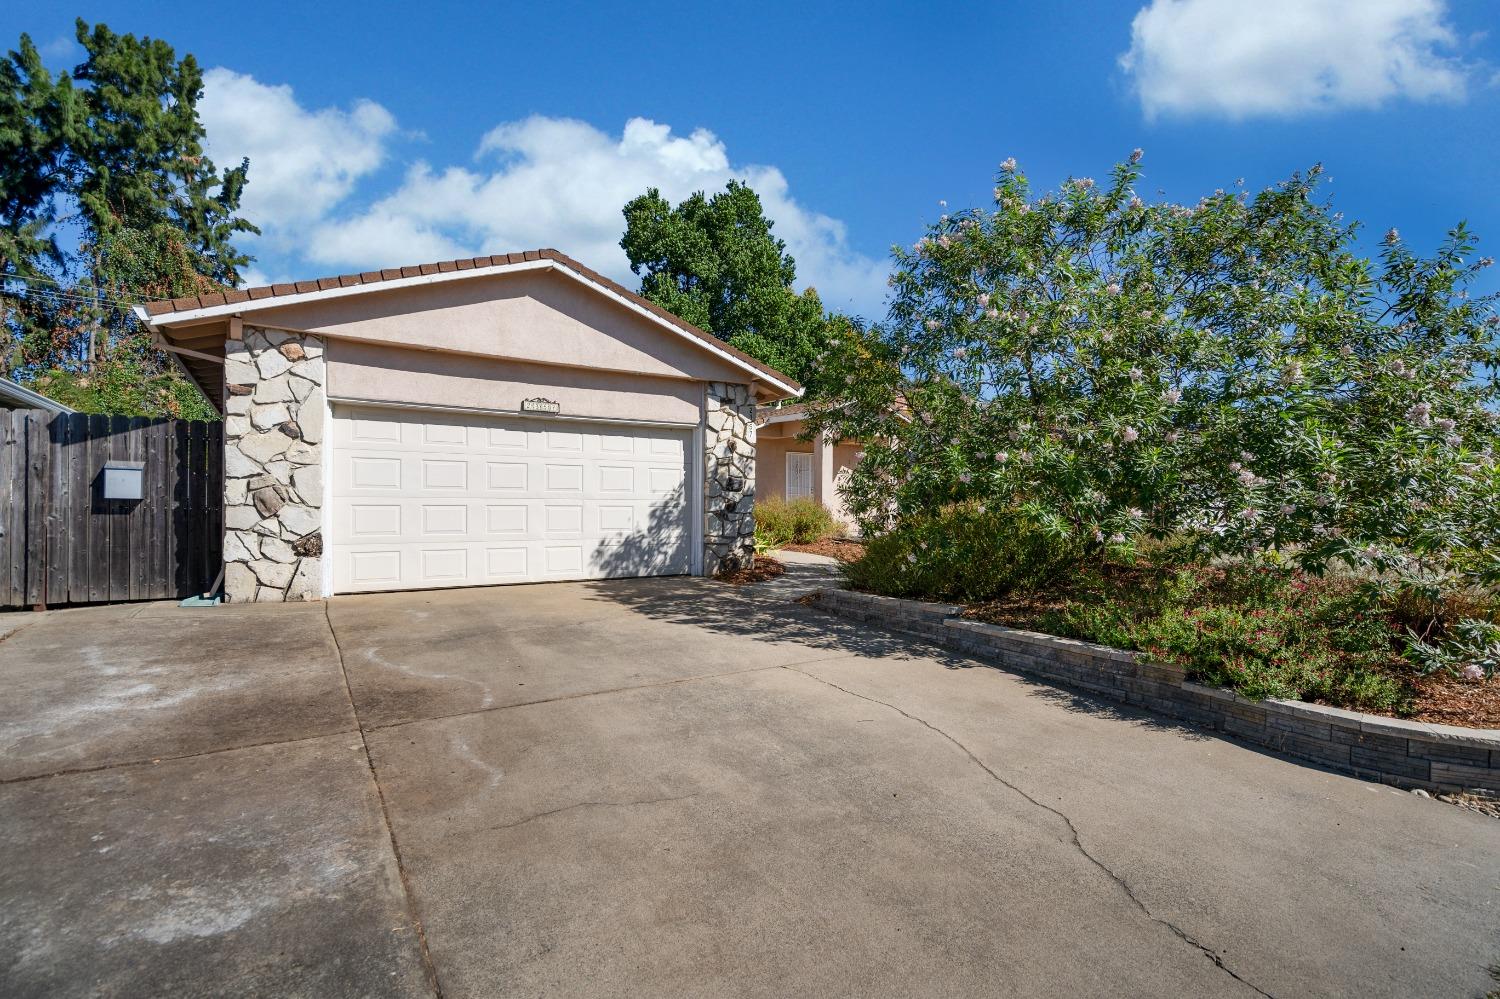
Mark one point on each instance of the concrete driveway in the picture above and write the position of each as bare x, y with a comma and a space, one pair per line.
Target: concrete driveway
670, 787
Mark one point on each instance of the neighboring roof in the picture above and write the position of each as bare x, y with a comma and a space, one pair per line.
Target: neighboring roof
780, 414
239, 301
25, 398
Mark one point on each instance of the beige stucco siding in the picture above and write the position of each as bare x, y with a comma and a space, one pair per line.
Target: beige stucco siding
538, 316
770, 462
376, 373
772, 445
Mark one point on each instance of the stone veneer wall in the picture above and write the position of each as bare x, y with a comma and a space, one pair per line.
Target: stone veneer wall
729, 470
1388, 750
273, 466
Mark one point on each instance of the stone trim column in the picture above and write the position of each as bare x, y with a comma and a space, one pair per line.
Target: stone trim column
729, 478
273, 466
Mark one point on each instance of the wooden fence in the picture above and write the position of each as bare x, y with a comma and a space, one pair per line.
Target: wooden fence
64, 543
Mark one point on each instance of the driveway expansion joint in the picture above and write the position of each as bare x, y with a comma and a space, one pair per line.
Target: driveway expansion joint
1076, 840
385, 816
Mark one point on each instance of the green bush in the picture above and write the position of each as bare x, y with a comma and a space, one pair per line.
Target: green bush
963, 552
1261, 631
792, 522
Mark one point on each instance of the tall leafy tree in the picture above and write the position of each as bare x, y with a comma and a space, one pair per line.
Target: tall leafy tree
715, 262
33, 122
126, 207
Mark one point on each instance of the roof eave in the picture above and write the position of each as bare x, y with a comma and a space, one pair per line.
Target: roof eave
770, 377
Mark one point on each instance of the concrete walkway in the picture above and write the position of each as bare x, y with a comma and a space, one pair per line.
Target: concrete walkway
671, 787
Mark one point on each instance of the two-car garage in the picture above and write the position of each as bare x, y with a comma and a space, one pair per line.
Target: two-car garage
507, 419
425, 498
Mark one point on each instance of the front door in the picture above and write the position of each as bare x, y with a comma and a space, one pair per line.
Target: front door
799, 475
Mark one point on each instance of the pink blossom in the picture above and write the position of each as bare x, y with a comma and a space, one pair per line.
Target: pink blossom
1113, 288
1129, 434
1172, 396
1173, 437
1009, 165
992, 313
1474, 672
1002, 457
1117, 538
984, 299
1136, 374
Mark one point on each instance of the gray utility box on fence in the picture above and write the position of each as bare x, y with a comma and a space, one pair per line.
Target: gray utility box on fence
124, 480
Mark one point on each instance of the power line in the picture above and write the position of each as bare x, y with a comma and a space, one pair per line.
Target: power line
74, 289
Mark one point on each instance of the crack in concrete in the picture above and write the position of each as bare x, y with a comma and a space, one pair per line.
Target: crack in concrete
599, 693
587, 804
1077, 841
154, 760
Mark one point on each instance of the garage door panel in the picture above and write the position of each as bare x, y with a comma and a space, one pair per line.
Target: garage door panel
422, 499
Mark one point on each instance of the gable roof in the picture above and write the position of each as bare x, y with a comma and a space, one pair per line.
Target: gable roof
235, 302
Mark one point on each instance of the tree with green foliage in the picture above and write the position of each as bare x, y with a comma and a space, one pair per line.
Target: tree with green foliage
32, 126
1233, 372
113, 202
715, 262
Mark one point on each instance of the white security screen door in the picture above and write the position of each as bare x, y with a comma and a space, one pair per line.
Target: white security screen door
429, 499
798, 475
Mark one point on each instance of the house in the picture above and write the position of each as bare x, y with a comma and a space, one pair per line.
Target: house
791, 468
13, 396
503, 419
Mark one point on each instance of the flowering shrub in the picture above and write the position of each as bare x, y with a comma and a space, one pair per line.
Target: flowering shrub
1231, 371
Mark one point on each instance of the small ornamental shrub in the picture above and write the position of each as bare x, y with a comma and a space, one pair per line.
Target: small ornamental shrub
1263, 631
962, 552
792, 522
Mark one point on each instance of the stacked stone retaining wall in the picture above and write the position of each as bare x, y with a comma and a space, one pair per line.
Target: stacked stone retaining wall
1389, 750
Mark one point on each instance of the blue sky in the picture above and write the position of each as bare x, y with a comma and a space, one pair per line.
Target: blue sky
384, 133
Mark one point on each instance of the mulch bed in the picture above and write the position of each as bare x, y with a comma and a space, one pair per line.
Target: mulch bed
844, 551
763, 569
1445, 700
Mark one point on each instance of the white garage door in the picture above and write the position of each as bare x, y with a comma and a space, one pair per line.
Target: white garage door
426, 499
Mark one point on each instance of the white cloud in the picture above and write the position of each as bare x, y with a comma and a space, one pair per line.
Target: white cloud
562, 183
61, 52
1241, 58
302, 163
534, 182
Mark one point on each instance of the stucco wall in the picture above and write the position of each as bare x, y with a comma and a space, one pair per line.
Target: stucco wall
533, 315
377, 373
771, 453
